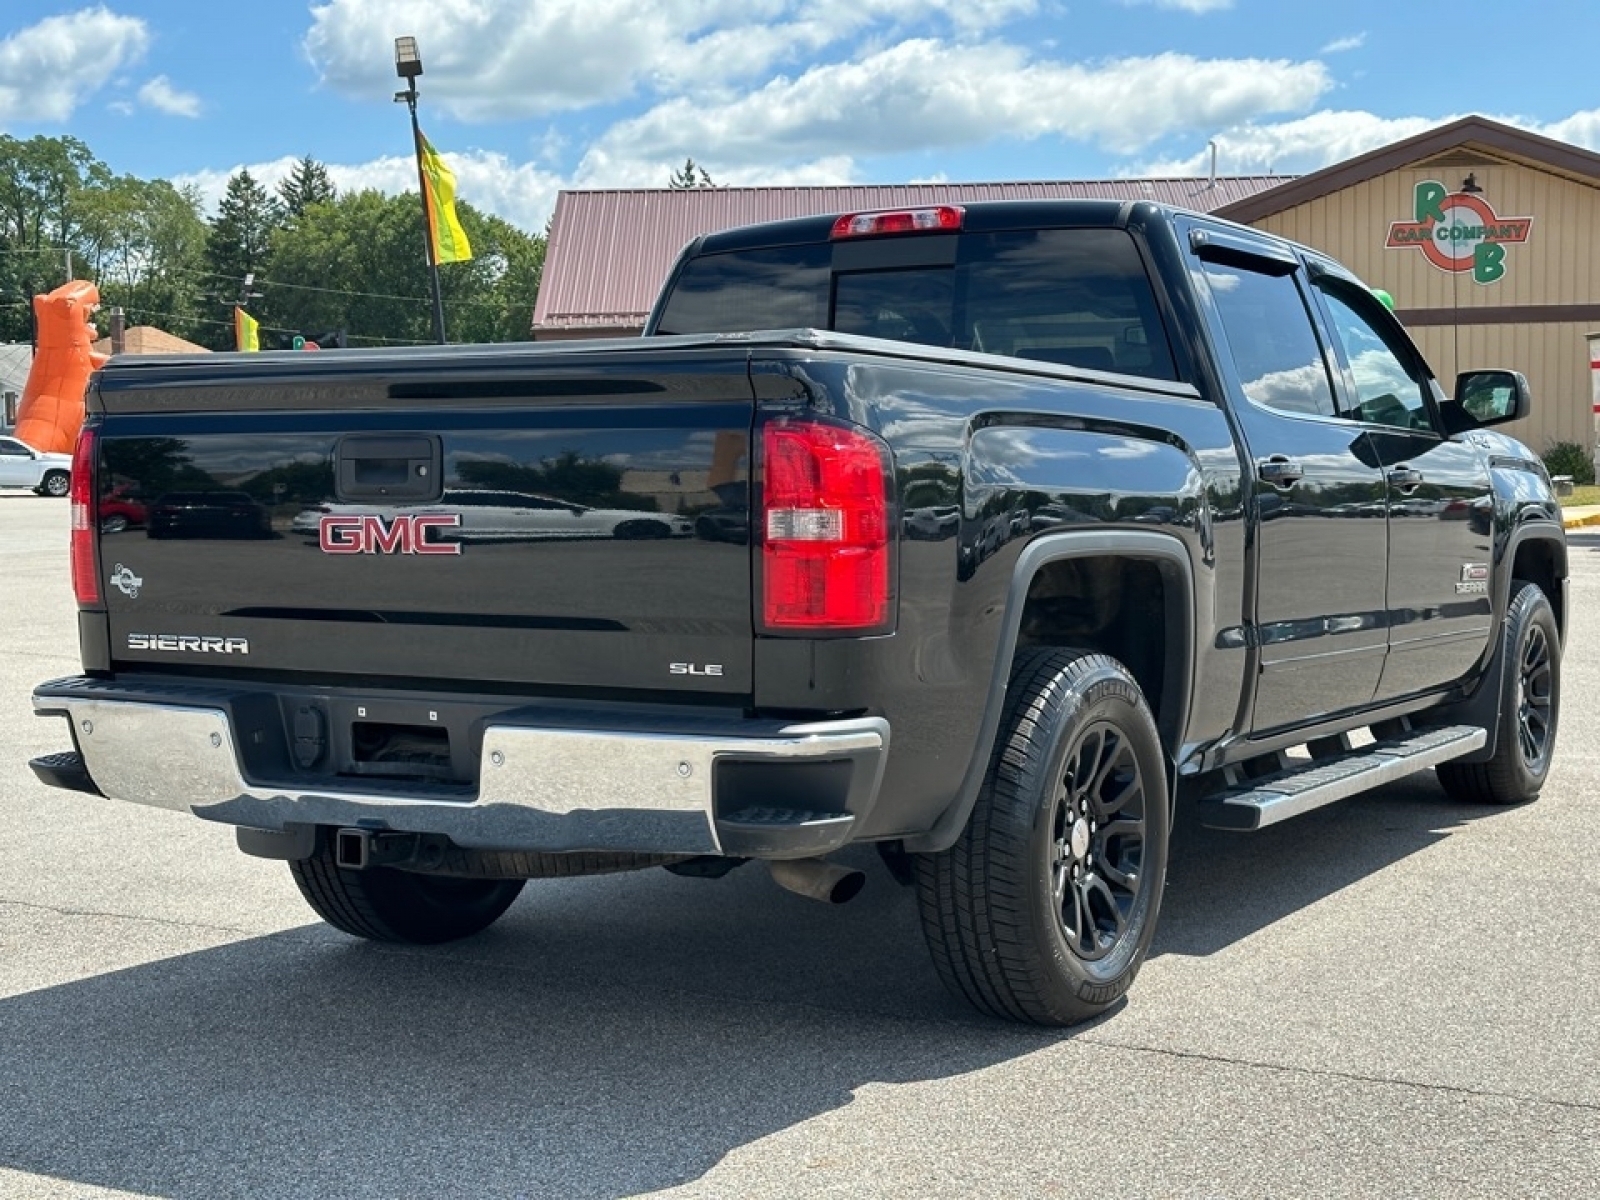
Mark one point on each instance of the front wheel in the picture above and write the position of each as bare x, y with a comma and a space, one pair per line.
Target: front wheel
1530, 704
1044, 908
387, 905
55, 483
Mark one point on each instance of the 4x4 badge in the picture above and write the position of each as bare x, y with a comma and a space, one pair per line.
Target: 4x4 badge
126, 582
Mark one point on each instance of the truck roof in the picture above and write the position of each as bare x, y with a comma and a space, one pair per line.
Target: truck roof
981, 216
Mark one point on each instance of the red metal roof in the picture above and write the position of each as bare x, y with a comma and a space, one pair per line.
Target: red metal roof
609, 251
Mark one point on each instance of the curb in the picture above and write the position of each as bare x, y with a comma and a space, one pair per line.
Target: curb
1580, 522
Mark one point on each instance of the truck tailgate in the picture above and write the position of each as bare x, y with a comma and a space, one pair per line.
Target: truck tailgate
588, 529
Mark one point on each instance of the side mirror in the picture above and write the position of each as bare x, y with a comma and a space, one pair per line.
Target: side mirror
1492, 397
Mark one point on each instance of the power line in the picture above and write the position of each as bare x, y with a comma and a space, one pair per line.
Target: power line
261, 281
354, 337
516, 302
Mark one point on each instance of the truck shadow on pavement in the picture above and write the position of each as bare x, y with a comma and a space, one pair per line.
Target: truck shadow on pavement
609, 1037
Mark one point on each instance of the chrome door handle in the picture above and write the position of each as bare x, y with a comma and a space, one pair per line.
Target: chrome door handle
1280, 471
1405, 479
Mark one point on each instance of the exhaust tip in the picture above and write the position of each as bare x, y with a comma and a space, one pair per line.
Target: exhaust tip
818, 879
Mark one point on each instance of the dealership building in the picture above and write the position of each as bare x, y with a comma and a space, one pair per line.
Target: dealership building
1487, 237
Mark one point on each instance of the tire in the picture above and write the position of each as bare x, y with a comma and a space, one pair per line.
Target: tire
386, 905
1530, 708
641, 531
1022, 915
55, 483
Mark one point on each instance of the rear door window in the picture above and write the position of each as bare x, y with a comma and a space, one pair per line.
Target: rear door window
1273, 341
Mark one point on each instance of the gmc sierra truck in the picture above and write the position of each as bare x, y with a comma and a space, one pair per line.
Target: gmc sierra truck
985, 535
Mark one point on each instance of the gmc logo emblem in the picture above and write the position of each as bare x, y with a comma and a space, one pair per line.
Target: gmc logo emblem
368, 533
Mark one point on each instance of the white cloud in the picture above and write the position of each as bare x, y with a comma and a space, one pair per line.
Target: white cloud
1293, 147
1324, 138
49, 68
1193, 6
1340, 45
160, 95
923, 93
517, 192
508, 59
1581, 129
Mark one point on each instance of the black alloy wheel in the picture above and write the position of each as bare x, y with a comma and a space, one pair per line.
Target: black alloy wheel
1536, 700
1044, 908
1097, 844
1530, 708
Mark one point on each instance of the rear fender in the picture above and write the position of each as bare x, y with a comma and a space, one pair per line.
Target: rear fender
1170, 556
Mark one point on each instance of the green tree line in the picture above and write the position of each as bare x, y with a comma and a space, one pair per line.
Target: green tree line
321, 260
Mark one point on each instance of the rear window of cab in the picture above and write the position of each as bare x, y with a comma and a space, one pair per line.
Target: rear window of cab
1079, 297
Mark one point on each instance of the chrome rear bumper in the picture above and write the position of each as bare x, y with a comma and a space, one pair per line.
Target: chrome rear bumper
550, 789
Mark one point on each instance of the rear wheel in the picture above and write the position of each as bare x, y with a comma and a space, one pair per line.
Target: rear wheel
1530, 705
635, 531
387, 905
1044, 909
55, 483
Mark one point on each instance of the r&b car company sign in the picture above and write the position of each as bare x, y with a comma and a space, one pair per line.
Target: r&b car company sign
1459, 231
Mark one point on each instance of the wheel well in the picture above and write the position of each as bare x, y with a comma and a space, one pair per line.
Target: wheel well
1542, 562
1128, 608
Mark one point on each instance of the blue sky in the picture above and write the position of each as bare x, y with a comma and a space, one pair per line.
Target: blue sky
528, 96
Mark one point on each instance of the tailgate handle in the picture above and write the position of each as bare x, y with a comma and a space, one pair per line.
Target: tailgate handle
392, 467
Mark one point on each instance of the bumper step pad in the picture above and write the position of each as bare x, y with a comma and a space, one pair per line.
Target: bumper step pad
64, 770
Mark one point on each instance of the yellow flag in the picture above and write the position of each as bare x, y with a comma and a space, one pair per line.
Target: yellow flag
246, 331
444, 228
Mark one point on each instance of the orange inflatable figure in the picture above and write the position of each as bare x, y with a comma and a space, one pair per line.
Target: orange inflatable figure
51, 412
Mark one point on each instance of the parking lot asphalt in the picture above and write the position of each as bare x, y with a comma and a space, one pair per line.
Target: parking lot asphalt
1395, 996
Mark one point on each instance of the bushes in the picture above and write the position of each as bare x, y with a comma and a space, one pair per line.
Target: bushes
1569, 458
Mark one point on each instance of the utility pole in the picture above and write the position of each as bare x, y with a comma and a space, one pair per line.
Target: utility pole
408, 65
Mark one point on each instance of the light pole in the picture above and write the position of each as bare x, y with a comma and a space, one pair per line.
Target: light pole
408, 65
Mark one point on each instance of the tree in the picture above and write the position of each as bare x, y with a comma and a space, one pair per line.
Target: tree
690, 175
45, 186
43, 182
238, 242
356, 263
145, 243
490, 298
353, 264
304, 186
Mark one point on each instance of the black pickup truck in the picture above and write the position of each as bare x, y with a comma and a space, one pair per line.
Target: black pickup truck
985, 535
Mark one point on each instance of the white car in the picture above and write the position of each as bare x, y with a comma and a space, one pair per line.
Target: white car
23, 466
490, 515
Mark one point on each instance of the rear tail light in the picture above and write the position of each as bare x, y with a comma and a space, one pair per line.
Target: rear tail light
825, 524
900, 220
85, 575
